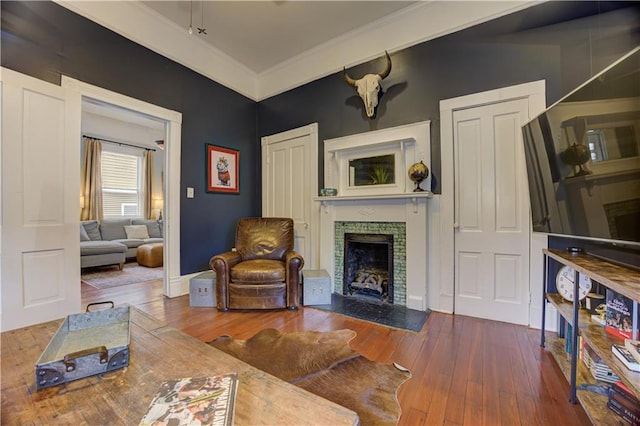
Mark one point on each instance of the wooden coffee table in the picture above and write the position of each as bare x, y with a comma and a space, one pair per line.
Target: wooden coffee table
157, 353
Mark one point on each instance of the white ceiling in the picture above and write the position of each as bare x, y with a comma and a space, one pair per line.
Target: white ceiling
262, 48
263, 34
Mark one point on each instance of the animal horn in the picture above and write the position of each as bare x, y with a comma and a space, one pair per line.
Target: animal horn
349, 80
387, 70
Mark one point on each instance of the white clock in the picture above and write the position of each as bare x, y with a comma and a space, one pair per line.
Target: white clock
564, 284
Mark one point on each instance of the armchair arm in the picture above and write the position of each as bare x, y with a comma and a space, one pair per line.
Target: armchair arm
293, 265
222, 264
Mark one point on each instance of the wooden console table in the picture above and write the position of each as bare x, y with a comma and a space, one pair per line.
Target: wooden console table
157, 353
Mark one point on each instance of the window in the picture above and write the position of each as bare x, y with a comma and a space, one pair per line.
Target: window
121, 184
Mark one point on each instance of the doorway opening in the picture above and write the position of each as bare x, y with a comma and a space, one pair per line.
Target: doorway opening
119, 106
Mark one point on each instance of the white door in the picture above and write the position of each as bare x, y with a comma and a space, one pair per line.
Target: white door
289, 183
491, 212
40, 253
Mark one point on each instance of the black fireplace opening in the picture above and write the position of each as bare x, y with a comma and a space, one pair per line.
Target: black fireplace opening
368, 266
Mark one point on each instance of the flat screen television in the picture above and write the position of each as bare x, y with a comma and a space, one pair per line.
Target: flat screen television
583, 164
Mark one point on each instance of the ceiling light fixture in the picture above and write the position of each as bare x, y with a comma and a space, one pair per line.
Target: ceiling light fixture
202, 29
191, 18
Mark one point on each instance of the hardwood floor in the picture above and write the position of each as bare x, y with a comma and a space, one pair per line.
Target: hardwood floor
465, 371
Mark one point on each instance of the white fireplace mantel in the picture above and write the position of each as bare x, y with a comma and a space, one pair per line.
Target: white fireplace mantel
338, 198
414, 197
401, 205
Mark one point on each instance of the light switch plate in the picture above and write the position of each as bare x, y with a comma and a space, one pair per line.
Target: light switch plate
189, 192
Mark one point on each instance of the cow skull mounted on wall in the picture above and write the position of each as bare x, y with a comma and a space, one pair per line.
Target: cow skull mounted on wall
369, 87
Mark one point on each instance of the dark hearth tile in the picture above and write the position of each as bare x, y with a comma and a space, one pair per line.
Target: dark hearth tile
379, 312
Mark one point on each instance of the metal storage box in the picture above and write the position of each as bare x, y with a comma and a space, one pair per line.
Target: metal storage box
202, 290
85, 344
316, 287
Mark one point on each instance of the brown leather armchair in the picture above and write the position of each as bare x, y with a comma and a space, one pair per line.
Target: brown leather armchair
263, 272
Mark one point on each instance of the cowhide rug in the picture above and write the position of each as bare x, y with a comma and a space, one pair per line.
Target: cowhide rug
324, 364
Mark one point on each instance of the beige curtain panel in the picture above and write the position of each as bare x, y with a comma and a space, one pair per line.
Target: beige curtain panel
148, 184
91, 181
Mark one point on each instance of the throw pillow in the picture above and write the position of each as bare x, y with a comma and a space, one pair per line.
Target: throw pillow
83, 234
137, 232
93, 231
153, 227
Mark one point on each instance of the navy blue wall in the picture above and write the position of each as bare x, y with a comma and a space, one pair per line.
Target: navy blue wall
564, 43
45, 40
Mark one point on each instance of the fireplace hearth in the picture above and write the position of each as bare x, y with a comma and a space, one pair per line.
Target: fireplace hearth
368, 266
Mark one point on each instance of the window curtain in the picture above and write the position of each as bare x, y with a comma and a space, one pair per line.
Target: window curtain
147, 184
91, 181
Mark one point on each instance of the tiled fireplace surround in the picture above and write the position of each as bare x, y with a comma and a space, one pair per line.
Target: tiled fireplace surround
398, 230
379, 210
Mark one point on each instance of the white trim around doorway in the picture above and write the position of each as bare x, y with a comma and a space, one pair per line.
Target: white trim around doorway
174, 285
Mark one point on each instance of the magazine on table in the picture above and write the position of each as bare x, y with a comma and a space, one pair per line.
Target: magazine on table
194, 401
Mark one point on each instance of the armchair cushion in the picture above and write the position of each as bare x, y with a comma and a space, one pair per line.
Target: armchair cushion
258, 271
264, 238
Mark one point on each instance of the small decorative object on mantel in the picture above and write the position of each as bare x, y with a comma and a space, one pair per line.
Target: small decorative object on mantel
328, 192
417, 173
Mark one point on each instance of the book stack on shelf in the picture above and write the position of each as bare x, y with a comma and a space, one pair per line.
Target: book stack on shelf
626, 356
566, 334
599, 370
622, 317
634, 347
624, 403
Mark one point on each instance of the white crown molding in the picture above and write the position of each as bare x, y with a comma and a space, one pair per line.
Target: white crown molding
405, 28
148, 28
416, 24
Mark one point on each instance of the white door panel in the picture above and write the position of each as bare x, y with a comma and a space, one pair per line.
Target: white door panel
40, 190
491, 240
289, 169
470, 170
470, 271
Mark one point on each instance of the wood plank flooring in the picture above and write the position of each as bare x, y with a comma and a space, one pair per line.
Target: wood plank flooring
465, 371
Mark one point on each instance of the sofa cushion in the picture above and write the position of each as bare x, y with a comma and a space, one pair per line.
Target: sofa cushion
153, 227
94, 248
93, 229
136, 231
131, 242
83, 234
113, 229
153, 240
